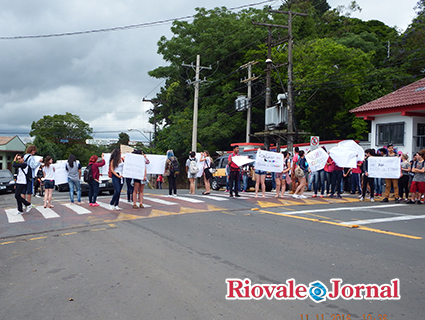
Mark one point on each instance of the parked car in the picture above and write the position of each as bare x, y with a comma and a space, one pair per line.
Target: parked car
219, 177
105, 185
7, 181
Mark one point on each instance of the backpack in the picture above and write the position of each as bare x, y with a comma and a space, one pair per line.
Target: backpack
212, 167
193, 168
174, 167
29, 172
88, 174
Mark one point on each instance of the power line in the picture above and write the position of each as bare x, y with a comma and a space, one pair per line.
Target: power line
128, 27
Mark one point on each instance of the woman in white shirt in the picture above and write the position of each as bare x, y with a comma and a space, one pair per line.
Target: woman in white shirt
116, 166
205, 157
49, 181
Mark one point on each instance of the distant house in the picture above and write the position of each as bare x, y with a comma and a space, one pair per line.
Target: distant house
9, 146
397, 118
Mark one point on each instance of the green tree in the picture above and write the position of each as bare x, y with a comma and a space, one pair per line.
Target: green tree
63, 135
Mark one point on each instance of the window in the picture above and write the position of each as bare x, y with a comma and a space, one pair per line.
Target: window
390, 133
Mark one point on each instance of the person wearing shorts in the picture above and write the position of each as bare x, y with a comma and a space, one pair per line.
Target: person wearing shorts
49, 181
418, 182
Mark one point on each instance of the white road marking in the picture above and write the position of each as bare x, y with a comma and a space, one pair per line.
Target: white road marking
189, 199
76, 208
47, 212
344, 209
369, 221
13, 217
213, 197
168, 203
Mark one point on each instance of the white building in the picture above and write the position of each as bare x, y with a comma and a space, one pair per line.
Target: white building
397, 118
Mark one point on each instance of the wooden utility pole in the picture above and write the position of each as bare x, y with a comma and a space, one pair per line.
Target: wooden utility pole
249, 81
196, 98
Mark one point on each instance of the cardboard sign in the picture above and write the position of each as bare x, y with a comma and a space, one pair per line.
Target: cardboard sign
384, 167
156, 163
60, 174
134, 166
269, 161
242, 160
317, 159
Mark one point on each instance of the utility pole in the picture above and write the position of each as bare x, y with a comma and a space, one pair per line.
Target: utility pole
249, 81
196, 98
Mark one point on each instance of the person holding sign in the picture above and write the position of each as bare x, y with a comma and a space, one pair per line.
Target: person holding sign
366, 179
74, 175
49, 181
116, 166
301, 172
139, 185
94, 182
234, 175
282, 177
388, 182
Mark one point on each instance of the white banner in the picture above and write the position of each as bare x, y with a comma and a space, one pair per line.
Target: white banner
60, 174
105, 168
156, 164
134, 166
242, 160
269, 161
384, 167
351, 144
316, 159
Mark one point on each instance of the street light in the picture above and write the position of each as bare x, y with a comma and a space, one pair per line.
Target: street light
141, 132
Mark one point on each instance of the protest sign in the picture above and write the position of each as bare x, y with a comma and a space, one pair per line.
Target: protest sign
242, 160
316, 159
105, 168
156, 163
346, 154
60, 174
134, 166
269, 161
384, 167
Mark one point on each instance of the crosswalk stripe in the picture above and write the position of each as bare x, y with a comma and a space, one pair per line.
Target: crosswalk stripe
378, 220
212, 197
47, 212
344, 209
13, 217
168, 203
189, 199
76, 208
137, 204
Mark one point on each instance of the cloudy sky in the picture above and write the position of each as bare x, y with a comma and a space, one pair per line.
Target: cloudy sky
102, 76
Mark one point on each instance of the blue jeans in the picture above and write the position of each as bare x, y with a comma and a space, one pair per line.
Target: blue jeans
74, 184
329, 176
93, 191
378, 185
336, 182
355, 183
319, 180
130, 189
245, 178
117, 187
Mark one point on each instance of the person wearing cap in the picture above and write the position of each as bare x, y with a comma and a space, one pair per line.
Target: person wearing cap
234, 172
388, 182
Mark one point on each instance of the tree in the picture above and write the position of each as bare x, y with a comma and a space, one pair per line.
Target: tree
62, 135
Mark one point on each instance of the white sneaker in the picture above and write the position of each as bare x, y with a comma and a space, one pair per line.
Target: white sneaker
372, 200
361, 199
174, 195
302, 197
117, 208
18, 213
111, 207
28, 208
295, 196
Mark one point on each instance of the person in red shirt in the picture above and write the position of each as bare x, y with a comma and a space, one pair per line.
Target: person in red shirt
94, 184
234, 172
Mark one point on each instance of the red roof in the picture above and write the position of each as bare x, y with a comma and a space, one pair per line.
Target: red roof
411, 97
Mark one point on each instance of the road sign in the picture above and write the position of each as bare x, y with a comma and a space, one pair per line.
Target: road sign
314, 142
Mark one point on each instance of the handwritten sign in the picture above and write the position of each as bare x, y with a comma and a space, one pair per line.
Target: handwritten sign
316, 159
60, 174
269, 161
242, 160
105, 168
134, 166
384, 167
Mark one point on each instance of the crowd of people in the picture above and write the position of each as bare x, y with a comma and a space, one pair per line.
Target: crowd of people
296, 176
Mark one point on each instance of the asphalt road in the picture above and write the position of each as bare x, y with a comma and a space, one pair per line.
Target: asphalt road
171, 259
